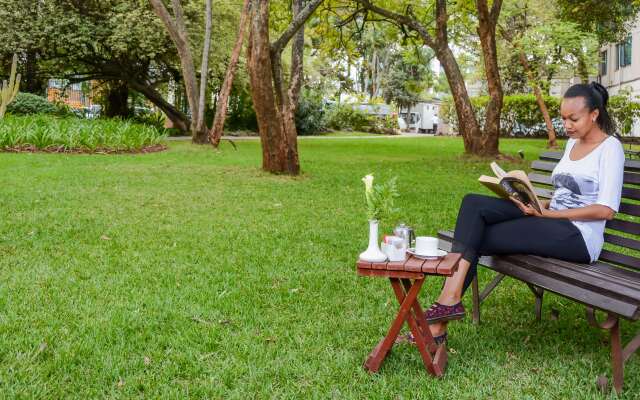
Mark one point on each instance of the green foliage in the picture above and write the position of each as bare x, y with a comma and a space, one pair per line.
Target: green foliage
380, 198
407, 76
348, 117
42, 132
27, 103
240, 114
521, 114
623, 111
310, 113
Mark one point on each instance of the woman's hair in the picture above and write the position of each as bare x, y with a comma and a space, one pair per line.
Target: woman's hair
595, 97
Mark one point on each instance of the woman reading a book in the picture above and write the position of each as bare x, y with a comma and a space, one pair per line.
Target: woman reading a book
587, 187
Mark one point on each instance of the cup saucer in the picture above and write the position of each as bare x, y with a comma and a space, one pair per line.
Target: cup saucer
440, 254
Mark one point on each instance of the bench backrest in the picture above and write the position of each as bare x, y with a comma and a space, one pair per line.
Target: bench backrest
621, 231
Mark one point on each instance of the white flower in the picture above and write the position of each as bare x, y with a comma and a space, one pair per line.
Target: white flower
368, 183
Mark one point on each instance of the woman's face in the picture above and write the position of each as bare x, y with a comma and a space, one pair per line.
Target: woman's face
577, 119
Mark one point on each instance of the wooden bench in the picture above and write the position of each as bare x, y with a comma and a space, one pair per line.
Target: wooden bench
612, 284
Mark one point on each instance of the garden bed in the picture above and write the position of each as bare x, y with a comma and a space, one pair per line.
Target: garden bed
50, 134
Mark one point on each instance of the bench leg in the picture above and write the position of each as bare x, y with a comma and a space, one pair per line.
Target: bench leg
539, 293
476, 300
612, 324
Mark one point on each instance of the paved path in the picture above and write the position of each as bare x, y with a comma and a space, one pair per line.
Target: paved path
241, 138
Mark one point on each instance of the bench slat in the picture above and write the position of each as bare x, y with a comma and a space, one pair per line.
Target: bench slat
624, 226
629, 165
505, 264
622, 241
629, 177
581, 275
620, 259
540, 178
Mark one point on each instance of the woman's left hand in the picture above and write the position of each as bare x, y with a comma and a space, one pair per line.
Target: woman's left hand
526, 209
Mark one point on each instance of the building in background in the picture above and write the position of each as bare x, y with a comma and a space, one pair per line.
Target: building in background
72, 94
619, 68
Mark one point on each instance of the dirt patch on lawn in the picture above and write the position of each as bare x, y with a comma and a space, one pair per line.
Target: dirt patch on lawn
100, 150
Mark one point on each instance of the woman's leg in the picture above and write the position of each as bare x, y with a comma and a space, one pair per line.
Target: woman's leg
476, 213
557, 238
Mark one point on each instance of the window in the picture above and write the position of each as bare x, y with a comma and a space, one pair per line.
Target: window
624, 53
603, 62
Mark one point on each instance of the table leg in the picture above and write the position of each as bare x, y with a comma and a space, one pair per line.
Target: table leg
422, 322
377, 356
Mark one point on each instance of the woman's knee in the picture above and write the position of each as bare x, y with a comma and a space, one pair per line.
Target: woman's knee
476, 200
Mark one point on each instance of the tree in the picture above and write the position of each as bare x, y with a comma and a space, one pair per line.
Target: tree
483, 142
406, 77
176, 27
221, 111
274, 103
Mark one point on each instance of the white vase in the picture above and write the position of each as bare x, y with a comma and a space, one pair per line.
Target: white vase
373, 252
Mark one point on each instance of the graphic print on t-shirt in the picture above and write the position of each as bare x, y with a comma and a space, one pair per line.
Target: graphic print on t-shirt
573, 190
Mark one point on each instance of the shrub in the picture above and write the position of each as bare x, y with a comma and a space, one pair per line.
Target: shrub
72, 134
27, 103
310, 114
347, 117
521, 114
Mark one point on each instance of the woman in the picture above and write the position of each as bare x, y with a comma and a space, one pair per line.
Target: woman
588, 184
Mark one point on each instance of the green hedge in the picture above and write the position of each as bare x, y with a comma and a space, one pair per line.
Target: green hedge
521, 115
28, 103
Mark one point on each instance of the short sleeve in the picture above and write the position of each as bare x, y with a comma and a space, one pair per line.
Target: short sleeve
610, 175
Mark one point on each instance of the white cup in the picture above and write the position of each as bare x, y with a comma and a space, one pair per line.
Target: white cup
427, 246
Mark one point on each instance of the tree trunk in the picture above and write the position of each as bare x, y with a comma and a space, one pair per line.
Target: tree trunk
180, 121
178, 32
31, 82
204, 70
116, 104
475, 142
551, 132
583, 71
487, 32
468, 126
275, 106
270, 121
223, 97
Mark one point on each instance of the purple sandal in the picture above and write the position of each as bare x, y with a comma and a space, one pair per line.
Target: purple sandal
440, 312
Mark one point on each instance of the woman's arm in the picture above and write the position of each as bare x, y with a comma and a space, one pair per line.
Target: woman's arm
588, 213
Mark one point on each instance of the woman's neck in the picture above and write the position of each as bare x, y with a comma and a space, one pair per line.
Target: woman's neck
594, 136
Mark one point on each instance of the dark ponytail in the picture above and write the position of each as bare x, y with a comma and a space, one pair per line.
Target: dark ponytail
595, 97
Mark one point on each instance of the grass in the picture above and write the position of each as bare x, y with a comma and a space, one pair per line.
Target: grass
43, 132
192, 274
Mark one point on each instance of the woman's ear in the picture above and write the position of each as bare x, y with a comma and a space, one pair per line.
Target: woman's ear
594, 115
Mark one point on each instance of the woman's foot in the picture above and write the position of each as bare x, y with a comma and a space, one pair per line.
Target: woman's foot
441, 312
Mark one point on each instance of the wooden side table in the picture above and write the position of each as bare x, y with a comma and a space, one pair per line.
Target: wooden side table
407, 278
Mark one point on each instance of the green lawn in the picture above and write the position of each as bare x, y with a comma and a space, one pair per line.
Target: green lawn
191, 273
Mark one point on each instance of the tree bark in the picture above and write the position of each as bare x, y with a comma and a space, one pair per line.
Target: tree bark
180, 121
223, 97
275, 105
270, 123
204, 69
177, 31
487, 20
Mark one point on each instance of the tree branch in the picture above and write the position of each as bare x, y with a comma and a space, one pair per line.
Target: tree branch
401, 19
298, 21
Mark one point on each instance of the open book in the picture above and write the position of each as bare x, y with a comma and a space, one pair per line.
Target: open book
512, 184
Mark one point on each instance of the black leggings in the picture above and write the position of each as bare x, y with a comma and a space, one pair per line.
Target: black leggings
491, 226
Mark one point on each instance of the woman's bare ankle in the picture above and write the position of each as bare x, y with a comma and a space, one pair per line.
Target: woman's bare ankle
448, 300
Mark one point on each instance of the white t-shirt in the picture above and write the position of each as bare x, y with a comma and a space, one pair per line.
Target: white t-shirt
594, 179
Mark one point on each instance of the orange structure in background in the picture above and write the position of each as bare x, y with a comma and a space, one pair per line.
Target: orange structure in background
70, 94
